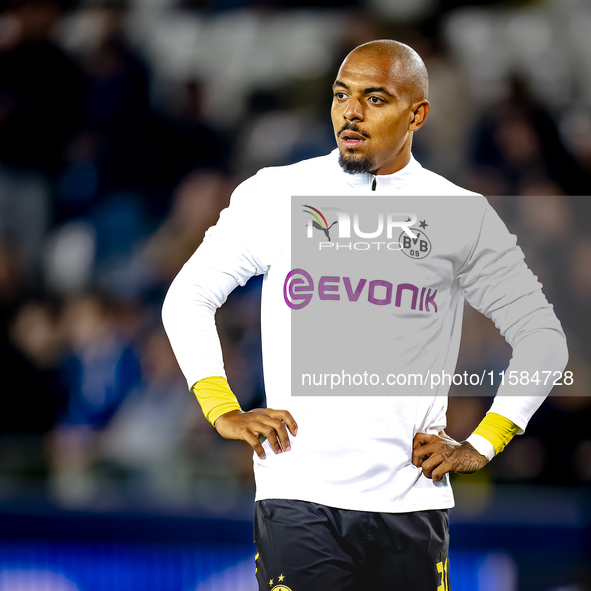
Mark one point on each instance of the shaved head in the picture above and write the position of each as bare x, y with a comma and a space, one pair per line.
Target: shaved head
407, 67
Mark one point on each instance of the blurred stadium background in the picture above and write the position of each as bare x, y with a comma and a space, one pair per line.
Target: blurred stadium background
124, 127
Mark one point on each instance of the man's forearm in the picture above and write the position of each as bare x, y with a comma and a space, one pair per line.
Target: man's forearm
514, 405
538, 352
215, 397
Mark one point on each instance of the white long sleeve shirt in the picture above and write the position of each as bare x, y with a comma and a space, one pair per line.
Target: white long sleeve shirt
355, 452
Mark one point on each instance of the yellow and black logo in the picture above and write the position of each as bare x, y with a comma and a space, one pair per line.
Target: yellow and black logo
281, 586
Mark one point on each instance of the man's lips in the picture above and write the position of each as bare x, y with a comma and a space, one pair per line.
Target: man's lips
352, 139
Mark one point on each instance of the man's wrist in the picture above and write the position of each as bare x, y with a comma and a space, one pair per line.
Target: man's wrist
227, 414
497, 430
482, 445
222, 410
215, 397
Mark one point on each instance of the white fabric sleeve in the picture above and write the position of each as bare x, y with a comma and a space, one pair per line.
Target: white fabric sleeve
482, 445
225, 259
497, 282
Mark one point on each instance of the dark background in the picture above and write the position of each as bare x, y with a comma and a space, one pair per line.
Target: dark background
124, 128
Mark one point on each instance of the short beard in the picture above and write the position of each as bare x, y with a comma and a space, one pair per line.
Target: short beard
352, 165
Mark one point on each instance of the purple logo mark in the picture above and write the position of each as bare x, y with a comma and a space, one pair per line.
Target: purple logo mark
298, 291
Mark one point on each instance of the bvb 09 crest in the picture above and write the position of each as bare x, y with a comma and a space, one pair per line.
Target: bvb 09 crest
418, 247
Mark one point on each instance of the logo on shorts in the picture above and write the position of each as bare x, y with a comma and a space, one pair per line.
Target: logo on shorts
281, 586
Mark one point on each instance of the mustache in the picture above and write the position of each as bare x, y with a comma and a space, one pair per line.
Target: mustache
353, 127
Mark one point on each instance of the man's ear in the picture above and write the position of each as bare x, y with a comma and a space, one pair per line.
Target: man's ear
420, 111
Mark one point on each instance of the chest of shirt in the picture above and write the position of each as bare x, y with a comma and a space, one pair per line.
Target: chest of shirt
367, 248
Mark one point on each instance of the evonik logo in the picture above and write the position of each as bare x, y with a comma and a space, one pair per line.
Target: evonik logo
380, 224
299, 288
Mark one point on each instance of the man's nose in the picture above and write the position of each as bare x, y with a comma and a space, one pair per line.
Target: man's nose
354, 110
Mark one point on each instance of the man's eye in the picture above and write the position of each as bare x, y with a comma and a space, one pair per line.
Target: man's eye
339, 95
376, 100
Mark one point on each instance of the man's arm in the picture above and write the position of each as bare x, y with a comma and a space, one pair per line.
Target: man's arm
228, 257
497, 282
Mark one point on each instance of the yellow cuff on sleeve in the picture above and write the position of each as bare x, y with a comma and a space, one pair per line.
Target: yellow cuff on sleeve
497, 429
215, 397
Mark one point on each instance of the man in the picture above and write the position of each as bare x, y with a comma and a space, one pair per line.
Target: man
352, 491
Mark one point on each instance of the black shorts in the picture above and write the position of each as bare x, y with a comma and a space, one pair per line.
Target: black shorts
305, 546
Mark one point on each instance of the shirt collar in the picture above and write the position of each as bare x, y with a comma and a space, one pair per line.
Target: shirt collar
383, 181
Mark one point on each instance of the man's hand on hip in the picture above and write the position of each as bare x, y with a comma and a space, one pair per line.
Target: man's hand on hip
255, 425
439, 454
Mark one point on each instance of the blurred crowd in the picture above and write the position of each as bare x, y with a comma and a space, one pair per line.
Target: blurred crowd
125, 127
